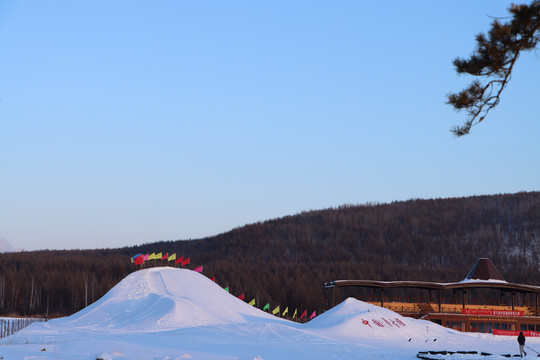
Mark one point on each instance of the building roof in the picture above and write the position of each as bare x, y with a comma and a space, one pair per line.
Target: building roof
482, 275
484, 270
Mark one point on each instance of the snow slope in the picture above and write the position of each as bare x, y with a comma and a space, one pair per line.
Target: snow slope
168, 313
355, 319
159, 299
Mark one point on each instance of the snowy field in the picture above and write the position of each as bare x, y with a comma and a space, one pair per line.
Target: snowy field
173, 314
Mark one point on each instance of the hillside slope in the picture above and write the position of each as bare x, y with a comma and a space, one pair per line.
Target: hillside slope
286, 261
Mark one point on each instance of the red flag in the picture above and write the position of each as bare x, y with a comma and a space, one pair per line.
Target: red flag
165, 257
179, 260
303, 314
213, 278
139, 260
185, 262
241, 297
199, 269
312, 315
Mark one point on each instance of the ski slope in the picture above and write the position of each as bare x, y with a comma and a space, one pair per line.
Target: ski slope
171, 314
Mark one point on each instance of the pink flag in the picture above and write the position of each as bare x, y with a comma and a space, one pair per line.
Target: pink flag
146, 257
199, 269
312, 315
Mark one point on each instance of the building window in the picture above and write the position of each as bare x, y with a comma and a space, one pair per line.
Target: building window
482, 327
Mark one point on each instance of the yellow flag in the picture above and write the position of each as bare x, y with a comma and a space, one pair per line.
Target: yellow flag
252, 302
276, 310
172, 257
286, 311
158, 256
295, 312
152, 256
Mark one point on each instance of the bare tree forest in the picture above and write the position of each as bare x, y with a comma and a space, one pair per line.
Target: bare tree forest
287, 260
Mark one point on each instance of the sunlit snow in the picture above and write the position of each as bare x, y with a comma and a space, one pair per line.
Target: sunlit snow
173, 314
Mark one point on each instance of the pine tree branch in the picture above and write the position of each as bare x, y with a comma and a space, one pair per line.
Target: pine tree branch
494, 57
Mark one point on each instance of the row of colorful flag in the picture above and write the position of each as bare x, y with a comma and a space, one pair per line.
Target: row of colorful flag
140, 259
276, 310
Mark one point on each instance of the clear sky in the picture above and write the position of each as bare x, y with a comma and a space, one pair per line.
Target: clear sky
127, 122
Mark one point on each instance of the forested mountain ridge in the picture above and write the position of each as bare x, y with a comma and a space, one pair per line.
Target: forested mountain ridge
287, 260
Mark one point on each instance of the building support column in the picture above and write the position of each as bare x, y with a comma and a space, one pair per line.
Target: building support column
513, 299
326, 298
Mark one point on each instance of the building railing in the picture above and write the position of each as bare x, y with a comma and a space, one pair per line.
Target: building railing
423, 308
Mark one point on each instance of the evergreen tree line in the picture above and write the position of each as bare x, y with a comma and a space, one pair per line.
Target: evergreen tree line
286, 261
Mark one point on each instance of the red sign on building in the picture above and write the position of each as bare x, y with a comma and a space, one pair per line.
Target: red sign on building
491, 312
516, 333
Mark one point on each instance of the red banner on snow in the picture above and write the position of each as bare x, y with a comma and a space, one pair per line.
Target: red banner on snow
492, 312
516, 333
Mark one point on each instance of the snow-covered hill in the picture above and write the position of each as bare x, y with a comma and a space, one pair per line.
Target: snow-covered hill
159, 299
169, 313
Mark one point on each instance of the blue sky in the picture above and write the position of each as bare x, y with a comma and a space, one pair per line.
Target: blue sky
126, 122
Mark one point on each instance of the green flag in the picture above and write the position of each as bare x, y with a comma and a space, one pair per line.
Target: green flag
276, 310
226, 289
266, 307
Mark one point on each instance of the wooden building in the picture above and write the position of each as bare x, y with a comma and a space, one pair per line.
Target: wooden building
516, 309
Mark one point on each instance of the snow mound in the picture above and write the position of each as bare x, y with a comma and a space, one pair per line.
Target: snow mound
356, 319
164, 299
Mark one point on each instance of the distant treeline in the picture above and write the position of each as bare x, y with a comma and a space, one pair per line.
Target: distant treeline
286, 261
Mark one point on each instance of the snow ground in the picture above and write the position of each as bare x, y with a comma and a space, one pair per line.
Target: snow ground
174, 314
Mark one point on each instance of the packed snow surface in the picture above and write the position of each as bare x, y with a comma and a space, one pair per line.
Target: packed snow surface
172, 314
